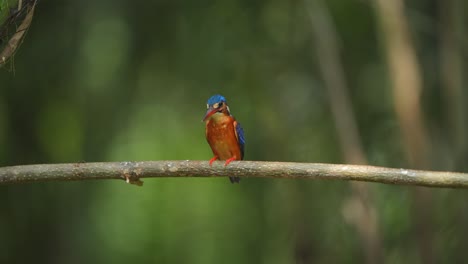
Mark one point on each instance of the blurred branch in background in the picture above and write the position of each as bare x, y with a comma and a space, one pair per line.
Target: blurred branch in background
406, 79
133, 171
407, 86
451, 70
12, 13
328, 53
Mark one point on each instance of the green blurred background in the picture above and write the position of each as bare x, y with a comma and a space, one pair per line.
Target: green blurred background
128, 80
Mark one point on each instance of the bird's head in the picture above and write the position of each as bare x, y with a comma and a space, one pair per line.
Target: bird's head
216, 105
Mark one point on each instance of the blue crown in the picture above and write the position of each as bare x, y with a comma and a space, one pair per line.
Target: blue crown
216, 99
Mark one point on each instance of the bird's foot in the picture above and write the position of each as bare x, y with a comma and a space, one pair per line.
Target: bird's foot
229, 160
213, 159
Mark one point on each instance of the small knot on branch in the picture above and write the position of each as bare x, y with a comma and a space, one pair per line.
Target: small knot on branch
131, 173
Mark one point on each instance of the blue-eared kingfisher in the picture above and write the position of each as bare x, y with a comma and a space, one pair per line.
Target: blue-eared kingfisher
224, 134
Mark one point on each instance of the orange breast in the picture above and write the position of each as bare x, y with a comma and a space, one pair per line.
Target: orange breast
221, 136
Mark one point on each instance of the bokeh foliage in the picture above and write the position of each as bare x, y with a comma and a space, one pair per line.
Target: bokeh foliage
128, 80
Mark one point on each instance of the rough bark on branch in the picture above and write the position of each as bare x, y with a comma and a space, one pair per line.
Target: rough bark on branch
133, 171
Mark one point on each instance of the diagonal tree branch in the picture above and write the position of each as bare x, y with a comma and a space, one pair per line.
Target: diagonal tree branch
23, 12
334, 77
407, 86
333, 73
133, 171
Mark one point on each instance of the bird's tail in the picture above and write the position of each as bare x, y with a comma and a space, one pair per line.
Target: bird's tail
234, 179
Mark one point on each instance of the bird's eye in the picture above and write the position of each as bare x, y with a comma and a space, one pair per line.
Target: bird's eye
220, 104
216, 105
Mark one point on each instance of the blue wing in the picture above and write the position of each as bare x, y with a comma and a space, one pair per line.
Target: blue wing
240, 138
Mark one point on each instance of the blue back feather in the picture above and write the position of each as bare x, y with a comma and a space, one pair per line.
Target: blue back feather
240, 138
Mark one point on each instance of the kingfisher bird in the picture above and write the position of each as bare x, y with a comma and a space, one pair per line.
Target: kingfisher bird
223, 133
